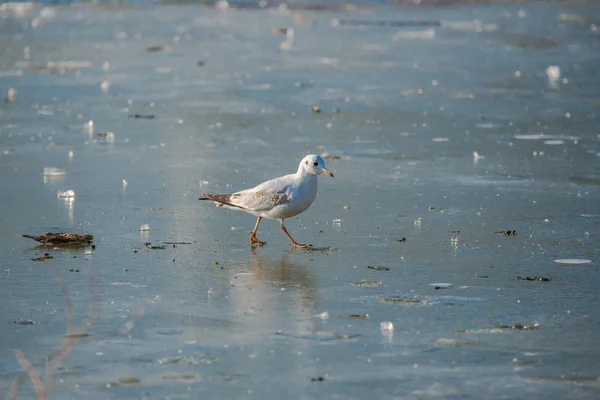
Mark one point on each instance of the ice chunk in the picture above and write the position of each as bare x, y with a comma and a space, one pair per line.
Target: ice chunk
222, 5
553, 72
387, 328
541, 136
572, 261
569, 17
144, 228
66, 193
68, 64
554, 142
48, 12
323, 315
12, 94
417, 34
16, 8
52, 171
441, 285
104, 86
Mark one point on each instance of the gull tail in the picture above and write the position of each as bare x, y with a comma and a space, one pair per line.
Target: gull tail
222, 200
219, 198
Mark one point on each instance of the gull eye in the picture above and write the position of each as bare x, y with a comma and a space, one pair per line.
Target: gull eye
316, 163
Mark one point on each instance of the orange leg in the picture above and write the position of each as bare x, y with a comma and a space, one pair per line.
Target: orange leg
253, 238
295, 244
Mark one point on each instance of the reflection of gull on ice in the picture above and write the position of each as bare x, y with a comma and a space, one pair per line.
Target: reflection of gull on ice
267, 293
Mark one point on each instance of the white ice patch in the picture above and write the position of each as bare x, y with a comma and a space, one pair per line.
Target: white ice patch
441, 285
554, 142
573, 261
541, 136
52, 171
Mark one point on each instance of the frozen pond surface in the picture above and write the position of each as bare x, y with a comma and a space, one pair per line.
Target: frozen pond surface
188, 98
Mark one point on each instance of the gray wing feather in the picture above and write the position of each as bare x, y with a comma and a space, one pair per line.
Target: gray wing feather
263, 197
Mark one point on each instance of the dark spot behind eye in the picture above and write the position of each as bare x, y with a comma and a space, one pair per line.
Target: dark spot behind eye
306, 162
316, 163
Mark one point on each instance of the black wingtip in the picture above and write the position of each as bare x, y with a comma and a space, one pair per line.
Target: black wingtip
203, 198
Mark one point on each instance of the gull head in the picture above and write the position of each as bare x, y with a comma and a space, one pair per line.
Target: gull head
314, 165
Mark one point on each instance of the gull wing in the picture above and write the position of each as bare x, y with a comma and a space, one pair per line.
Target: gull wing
263, 197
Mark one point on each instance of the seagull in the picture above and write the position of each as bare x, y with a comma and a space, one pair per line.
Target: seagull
279, 198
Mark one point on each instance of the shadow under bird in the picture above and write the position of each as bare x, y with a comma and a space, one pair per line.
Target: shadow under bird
279, 198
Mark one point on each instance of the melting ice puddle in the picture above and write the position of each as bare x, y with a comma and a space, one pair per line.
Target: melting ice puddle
572, 261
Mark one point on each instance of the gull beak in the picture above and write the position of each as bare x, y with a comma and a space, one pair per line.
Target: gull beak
326, 171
